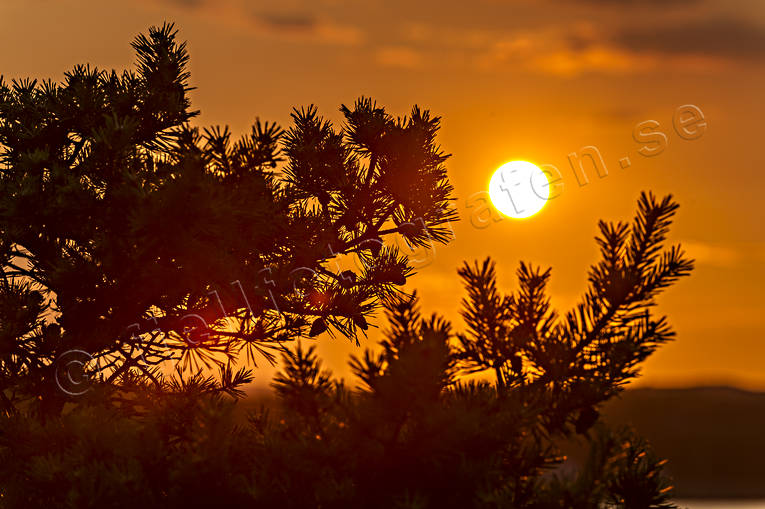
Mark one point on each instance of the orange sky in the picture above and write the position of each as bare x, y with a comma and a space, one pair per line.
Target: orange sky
532, 80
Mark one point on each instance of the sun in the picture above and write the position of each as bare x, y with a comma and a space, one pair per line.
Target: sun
519, 189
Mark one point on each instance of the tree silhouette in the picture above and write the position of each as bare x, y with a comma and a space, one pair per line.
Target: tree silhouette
604, 338
131, 237
413, 435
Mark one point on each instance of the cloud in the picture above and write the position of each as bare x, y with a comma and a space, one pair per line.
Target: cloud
698, 45
279, 19
560, 38
339, 34
711, 254
561, 51
636, 3
726, 38
595, 59
287, 21
189, 4
306, 27
399, 56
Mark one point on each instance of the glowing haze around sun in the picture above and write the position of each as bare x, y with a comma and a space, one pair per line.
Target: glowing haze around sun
519, 189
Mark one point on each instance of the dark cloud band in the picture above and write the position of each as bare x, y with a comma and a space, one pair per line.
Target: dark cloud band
720, 38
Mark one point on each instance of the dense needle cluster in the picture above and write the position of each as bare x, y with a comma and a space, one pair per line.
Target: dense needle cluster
130, 235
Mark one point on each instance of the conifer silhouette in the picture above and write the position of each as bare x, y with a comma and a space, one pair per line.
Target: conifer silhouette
432, 440
133, 237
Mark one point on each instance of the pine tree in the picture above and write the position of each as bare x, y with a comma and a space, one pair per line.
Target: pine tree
414, 435
603, 339
409, 432
130, 237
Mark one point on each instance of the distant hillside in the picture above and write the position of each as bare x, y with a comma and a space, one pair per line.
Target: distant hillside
713, 437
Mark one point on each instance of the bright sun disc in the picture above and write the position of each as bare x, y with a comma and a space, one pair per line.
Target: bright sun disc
519, 189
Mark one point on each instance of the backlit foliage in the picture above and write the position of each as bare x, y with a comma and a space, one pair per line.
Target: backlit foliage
129, 234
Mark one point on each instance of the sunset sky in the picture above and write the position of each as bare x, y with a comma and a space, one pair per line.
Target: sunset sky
515, 79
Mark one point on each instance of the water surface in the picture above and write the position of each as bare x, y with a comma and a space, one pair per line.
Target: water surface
721, 504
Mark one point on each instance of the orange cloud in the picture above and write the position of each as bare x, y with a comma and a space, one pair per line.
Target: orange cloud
398, 56
711, 254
